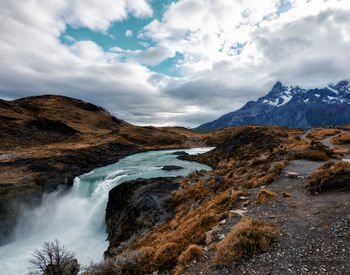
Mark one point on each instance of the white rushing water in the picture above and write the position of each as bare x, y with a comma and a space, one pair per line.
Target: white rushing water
76, 218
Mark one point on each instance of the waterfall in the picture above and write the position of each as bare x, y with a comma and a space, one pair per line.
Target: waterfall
76, 218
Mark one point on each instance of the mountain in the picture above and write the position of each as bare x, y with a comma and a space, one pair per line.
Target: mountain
292, 107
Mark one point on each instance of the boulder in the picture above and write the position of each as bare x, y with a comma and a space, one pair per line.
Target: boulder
292, 174
171, 167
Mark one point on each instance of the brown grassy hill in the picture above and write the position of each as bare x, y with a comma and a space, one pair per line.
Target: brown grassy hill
48, 119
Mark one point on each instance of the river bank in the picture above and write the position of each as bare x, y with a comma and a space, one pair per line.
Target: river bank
77, 217
46, 141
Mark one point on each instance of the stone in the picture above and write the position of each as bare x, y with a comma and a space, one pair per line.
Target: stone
171, 167
208, 237
237, 212
222, 222
243, 198
292, 174
221, 237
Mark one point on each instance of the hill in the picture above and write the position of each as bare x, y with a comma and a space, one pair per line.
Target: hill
292, 107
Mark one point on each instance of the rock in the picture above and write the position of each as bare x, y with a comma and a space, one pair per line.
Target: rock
208, 237
216, 228
246, 203
237, 212
136, 206
243, 198
292, 175
222, 222
180, 153
262, 186
221, 237
171, 167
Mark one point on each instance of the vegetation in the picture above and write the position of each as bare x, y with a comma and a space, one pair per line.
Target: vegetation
319, 134
192, 253
264, 196
330, 176
341, 139
54, 259
246, 239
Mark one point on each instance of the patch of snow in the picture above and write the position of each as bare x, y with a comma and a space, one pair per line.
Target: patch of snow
286, 98
272, 103
332, 98
317, 95
306, 100
333, 90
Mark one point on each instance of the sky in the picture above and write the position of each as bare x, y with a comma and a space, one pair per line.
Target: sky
166, 63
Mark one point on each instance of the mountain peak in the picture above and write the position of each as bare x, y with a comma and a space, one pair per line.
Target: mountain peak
293, 107
278, 85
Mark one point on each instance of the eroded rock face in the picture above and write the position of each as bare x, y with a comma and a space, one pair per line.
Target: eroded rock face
135, 206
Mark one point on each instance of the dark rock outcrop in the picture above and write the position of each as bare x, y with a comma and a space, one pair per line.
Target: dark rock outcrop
171, 167
135, 206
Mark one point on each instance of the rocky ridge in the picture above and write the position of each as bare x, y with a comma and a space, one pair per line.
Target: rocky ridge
292, 107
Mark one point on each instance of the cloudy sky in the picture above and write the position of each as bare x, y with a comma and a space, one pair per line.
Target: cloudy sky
166, 62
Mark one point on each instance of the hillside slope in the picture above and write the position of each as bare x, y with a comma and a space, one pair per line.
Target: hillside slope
292, 107
46, 141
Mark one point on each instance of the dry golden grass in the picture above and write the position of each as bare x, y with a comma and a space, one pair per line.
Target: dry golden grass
264, 196
341, 139
192, 253
330, 176
340, 151
246, 239
319, 134
345, 127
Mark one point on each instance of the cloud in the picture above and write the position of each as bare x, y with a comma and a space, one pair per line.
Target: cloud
128, 33
233, 51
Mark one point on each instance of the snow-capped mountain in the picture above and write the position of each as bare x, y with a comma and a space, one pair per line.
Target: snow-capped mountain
293, 107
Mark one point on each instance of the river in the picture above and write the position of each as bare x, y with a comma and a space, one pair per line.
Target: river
76, 218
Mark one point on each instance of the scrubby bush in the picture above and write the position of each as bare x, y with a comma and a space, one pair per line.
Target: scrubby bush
54, 259
193, 252
264, 196
330, 176
246, 239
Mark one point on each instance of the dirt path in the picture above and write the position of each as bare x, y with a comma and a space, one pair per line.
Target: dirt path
315, 230
327, 141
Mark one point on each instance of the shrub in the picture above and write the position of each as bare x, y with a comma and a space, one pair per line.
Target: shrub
264, 196
312, 155
341, 139
246, 239
330, 176
167, 255
54, 259
193, 252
